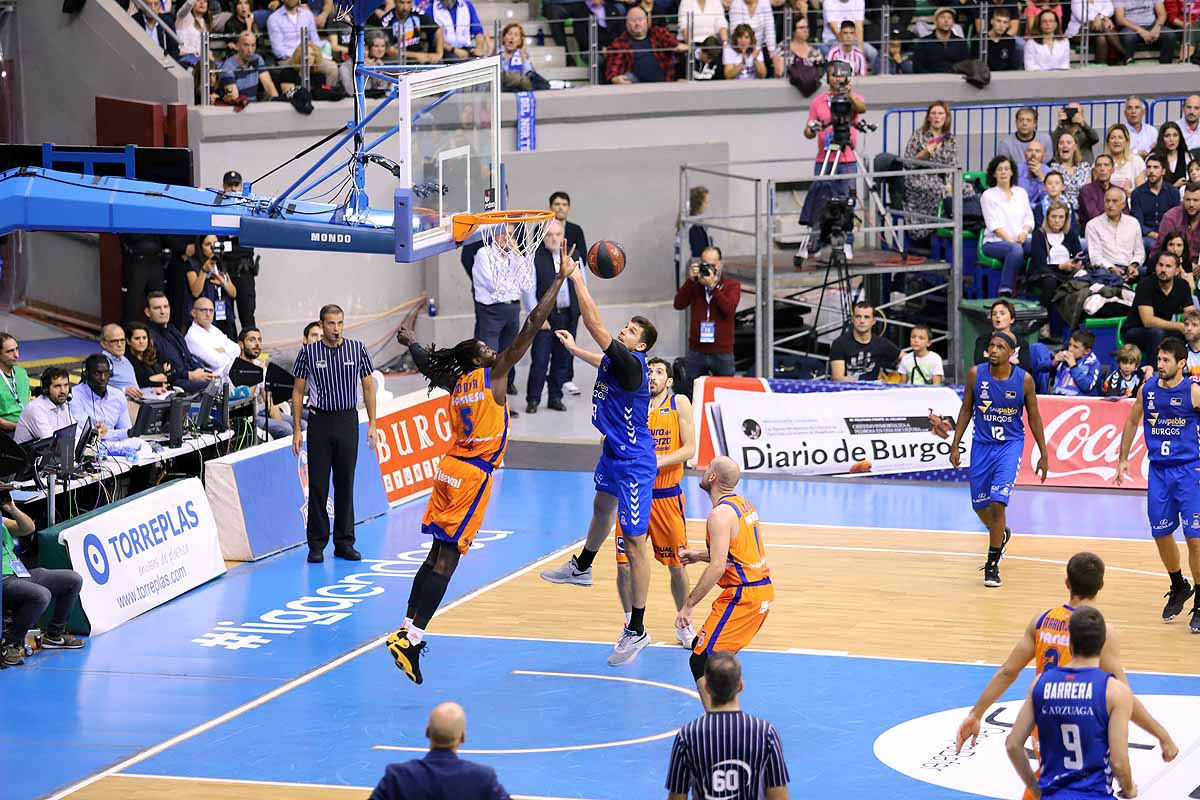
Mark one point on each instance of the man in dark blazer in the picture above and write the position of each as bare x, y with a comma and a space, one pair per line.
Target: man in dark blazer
441, 774
560, 204
548, 356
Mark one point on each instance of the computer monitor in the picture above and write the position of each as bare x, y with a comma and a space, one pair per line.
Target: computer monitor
84, 441
13, 458
176, 419
62, 453
151, 418
208, 405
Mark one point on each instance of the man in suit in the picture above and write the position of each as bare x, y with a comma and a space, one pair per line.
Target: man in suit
441, 773
560, 204
548, 355
157, 33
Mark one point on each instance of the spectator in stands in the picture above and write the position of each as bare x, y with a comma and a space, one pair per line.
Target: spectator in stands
1142, 135
192, 19
1127, 378
709, 60
416, 38
29, 592
1091, 196
1003, 316
109, 411
1055, 254
245, 71
1191, 336
1102, 31
820, 127
1004, 52
240, 262
1032, 172
207, 342
1076, 369
151, 373
1129, 170
644, 53
284, 28
499, 276
1014, 144
462, 32
1008, 222
441, 773
940, 50
206, 278
1155, 306
112, 344
919, 364
934, 144
1115, 239
1141, 21
897, 61
1183, 218
699, 19
1174, 155
241, 20
558, 11
1048, 49
698, 237
1054, 189
1152, 200
189, 374
516, 68
837, 12
14, 393
797, 49
1189, 123
1193, 171
157, 33
48, 412
550, 359
1072, 120
712, 299
847, 50
744, 59
376, 50
1076, 172
858, 354
1176, 243
250, 351
757, 14
312, 332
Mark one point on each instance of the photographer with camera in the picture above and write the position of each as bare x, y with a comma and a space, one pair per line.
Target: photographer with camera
241, 263
207, 276
712, 298
831, 121
1072, 121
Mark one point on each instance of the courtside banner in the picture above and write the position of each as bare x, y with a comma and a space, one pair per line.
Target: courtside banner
1083, 435
140, 553
853, 432
412, 434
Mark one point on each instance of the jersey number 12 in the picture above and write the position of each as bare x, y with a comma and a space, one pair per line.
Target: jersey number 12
998, 433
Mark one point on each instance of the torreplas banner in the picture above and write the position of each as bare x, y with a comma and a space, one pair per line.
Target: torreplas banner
853, 432
142, 552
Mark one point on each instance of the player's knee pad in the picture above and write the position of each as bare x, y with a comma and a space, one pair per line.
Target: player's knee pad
697, 663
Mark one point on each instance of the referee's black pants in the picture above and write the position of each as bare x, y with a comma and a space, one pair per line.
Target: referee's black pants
332, 445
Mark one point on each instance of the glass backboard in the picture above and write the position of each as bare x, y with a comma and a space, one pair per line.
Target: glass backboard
450, 143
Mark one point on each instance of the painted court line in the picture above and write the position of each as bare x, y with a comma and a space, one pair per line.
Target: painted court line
290, 784
297, 682
928, 531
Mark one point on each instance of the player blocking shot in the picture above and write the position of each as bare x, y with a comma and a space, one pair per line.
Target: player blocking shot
628, 465
477, 379
994, 395
1168, 406
674, 434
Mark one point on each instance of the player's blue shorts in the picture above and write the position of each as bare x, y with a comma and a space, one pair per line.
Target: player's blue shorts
1173, 491
993, 472
631, 481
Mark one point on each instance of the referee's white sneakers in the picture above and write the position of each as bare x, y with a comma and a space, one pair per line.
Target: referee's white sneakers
628, 647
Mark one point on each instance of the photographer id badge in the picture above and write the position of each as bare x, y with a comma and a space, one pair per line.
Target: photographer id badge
708, 332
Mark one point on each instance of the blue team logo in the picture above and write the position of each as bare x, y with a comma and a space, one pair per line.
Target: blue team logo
1010, 395
95, 558
1176, 401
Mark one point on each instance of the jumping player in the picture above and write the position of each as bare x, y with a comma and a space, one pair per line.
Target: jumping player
628, 464
994, 394
477, 379
1169, 402
737, 562
1082, 720
1047, 644
674, 435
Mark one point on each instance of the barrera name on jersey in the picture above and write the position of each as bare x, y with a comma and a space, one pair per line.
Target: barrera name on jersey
998, 406
1170, 423
1070, 709
621, 414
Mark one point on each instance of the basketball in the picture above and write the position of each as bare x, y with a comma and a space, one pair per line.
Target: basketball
606, 259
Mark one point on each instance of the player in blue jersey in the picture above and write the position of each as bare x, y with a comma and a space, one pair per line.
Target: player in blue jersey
628, 462
994, 394
1169, 401
1082, 721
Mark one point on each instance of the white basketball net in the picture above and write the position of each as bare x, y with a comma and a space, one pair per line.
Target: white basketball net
511, 247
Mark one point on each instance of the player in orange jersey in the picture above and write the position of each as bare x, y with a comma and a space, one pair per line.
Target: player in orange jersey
674, 435
477, 379
1047, 643
737, 562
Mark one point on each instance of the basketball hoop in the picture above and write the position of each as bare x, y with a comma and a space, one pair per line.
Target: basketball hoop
515, 235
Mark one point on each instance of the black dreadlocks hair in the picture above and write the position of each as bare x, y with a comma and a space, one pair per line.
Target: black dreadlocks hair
447, 365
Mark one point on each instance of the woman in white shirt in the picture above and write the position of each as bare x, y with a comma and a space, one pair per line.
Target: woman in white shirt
756, 14
1129, 170
744, 60
1102, 31
706, 18
193, 17
1008, 222
1049, 50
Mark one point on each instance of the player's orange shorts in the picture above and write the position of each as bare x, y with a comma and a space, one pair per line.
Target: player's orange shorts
668, 530
737, 614
460, 496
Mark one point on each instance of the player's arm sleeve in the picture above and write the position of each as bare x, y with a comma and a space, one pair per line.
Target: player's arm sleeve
625, 366
775, 772
677, 776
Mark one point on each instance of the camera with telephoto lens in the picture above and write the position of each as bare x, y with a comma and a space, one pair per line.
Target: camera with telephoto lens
837, 219
841, 108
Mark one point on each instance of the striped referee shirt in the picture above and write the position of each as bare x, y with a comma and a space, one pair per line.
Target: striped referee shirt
726, 755
333, 374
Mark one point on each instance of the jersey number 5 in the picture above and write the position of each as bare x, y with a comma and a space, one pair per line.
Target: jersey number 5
468, 423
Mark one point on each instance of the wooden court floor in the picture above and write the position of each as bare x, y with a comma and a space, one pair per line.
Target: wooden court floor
876, 593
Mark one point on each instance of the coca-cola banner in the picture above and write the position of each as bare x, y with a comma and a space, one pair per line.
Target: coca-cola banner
1083, 435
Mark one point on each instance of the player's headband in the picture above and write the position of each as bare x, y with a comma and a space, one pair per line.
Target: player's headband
1006, 337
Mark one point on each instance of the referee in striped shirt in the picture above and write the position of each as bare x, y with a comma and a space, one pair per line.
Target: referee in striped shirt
332, 370
727, 753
